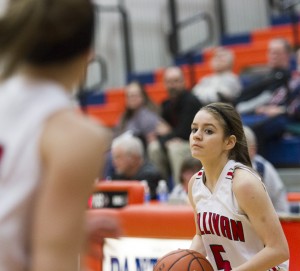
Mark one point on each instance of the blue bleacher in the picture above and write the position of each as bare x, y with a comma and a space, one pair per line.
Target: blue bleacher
92, 97
235, 39
143, 78
284, 152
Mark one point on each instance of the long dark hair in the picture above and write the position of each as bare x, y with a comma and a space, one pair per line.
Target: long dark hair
43, 32
232, 125
147, 102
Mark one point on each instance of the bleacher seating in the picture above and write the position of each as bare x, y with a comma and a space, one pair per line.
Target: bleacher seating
253, 52
284, 152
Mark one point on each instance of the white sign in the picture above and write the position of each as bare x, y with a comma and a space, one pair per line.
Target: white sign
138, 254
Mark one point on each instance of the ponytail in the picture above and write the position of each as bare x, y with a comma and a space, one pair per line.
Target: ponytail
240, 152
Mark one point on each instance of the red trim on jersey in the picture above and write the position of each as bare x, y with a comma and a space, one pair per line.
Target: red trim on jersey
200, 173
230, 174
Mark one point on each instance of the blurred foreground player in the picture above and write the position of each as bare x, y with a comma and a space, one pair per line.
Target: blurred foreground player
50, 154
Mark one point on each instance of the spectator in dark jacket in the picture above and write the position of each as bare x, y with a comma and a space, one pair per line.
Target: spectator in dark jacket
178, 111
277, 77
277, 103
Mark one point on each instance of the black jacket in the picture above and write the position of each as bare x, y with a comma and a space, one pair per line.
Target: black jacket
271, 81
146, 172
179, 114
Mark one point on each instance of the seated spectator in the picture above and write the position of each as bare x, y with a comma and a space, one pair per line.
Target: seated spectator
270, 176
297, 56
277, 77
171, 145
129, 161
179, 193
281, 105
223, 85
140, 118
141, 114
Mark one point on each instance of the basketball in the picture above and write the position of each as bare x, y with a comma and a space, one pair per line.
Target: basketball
183, 260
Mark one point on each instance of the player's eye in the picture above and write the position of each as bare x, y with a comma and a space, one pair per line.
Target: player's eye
194, 130
208, 131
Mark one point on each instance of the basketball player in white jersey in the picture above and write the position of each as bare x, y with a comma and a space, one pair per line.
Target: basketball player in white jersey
50, 154
237, 226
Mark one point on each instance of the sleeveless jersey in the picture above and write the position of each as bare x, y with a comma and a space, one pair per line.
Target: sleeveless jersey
228, 236
24, 107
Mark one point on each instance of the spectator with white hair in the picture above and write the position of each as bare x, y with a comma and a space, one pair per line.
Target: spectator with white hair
222, 85
128, 157
270, 177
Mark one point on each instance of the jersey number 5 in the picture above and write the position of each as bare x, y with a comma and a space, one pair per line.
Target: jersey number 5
221, 264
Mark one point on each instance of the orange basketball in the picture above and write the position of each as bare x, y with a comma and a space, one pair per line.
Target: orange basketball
183, 260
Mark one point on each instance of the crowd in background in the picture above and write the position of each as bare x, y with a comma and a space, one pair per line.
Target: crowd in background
152, 140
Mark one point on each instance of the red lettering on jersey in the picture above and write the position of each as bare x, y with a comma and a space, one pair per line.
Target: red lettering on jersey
211, 223
225, 227
206, 230
215, 219
237, 230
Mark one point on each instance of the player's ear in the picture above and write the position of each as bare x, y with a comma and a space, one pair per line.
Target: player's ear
230, 142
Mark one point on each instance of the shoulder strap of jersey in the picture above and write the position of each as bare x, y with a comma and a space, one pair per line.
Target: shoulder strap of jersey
244, 167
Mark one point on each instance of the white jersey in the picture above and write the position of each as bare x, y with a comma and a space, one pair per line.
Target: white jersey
227, 234
24, 107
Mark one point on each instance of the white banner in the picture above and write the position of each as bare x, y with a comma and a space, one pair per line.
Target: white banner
137, 254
